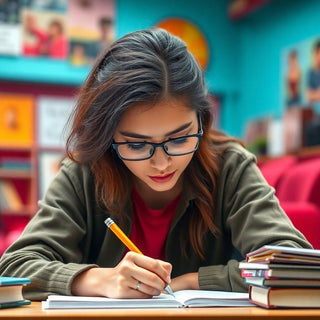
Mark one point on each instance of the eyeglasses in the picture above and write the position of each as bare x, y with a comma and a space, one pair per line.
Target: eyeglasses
137, 151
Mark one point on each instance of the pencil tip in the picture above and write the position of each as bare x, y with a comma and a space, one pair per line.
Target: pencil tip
169, 290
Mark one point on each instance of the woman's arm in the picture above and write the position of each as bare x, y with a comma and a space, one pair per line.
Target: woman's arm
251, 214
150, 275
49, 251
55, 248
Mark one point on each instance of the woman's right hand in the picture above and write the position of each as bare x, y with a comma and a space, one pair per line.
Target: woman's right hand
122, 281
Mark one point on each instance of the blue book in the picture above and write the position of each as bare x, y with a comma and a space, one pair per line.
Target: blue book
13, 281
11, 292
14, 304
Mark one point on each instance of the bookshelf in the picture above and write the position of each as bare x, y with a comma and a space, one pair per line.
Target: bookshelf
18, 174
31, 146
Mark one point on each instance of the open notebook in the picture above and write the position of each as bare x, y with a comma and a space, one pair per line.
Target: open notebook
184, 298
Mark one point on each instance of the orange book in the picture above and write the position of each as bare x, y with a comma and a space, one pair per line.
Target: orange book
16, 120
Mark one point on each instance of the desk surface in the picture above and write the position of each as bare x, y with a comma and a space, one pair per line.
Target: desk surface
34, 311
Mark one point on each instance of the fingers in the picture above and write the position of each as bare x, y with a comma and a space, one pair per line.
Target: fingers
143, 290
150, 271
160, 268
127, 280
151, 274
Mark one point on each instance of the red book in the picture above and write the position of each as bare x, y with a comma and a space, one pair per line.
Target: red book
281, 273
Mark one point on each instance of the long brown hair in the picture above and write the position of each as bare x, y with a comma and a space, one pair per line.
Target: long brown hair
143, 67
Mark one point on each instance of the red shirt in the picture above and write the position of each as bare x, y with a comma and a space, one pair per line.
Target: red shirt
150, 227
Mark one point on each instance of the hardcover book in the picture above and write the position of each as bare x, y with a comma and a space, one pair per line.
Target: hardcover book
283, 277
11, 292
281, 273
281, 254
262, 282
285, 297
16, 121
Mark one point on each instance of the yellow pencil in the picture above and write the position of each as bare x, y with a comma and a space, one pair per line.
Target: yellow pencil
121, 235
128, 243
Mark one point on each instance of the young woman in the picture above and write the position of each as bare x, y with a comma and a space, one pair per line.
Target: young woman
142, 151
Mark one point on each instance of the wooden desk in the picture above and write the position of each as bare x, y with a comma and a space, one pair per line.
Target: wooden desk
34, 311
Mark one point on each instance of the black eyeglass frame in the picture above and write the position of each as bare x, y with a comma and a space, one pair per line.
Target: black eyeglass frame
199, 135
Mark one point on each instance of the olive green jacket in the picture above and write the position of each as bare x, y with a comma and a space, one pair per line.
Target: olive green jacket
68, 234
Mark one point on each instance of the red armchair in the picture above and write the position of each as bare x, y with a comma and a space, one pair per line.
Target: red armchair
301, 183
12, 227
274, 169
299, 195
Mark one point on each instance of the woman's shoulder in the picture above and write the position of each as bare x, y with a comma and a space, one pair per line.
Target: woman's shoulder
236, 150
234, 160
75, 170
230, 148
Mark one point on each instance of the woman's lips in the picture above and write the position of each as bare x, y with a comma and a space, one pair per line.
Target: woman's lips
162, 179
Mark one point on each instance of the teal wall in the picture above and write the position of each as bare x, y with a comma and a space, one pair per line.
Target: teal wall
41, 70
211, 17
262, 38
245, 55
244, 68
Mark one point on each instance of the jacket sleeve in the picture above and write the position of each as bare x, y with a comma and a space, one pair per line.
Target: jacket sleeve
50, 250
250, 214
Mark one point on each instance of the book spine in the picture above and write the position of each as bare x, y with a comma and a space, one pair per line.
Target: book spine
266, 305
258, 281
14, 304
245, 273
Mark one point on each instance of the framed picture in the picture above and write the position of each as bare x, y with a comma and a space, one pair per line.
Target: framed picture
44, 29
49, 165
17, 120
53, 114
10, 27
90, 28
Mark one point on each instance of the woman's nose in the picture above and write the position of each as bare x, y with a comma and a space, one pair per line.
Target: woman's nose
160, 160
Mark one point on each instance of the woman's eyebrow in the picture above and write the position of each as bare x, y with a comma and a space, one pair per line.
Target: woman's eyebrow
141, 136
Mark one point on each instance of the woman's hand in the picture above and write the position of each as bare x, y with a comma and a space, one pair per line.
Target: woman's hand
188, 281
122, 281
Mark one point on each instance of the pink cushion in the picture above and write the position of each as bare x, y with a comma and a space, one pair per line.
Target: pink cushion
3, 245
274, 169
301, 183
306, 218
11, 237
12, 227
13, 222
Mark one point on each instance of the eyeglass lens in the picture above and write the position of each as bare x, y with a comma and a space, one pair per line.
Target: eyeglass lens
178, 146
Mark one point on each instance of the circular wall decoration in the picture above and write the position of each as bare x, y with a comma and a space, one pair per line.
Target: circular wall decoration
191, 35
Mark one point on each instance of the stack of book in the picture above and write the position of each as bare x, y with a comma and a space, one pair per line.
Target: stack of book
284, 277
11, 292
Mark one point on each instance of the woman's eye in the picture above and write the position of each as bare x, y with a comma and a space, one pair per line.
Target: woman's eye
179, 140
136, 146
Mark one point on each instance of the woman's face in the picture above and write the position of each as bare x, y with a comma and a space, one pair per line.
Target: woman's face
167, 119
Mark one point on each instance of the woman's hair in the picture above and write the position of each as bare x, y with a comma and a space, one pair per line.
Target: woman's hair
144, 67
